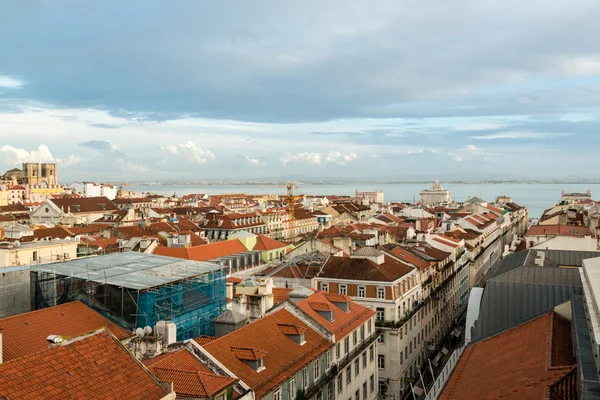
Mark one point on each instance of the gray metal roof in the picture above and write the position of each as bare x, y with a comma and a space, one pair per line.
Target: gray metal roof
131, 270
231, 317
586, 365
542, 276
505, 305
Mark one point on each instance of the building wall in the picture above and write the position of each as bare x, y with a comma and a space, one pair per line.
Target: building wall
14, 292
39, 254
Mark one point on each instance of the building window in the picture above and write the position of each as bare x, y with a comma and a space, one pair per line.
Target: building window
369, 326
401, 357
357, 395
382, 389
365, 390
339, 383
343, 289
325, 287
349, 374
380, 339
316, 370
362, 291
354, 338
381, 361
372, 383
380, 292
305, 378
327, 361
338, 350
292, 388
356, 367
347, 345
380, 314
364, 359
371, 353
277, 394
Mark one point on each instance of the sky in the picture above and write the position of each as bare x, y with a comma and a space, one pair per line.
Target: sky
161, 90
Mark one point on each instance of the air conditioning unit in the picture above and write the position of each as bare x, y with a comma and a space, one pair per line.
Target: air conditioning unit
167, 330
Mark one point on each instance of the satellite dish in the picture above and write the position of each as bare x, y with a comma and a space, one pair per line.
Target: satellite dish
68, 239
139, 332
16, 243
147, 330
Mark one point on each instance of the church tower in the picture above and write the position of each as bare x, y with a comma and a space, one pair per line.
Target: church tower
49, 173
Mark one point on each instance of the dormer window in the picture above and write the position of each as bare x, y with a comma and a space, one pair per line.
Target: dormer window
323, 309
254, 358
294, 332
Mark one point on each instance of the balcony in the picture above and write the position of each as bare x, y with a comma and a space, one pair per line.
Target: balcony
338, 366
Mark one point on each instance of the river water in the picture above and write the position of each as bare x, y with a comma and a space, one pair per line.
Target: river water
536, 196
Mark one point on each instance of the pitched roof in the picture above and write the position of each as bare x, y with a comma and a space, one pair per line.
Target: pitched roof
265, 243
85, 204
283, 357
26, 333
204, 252
560, 230
362, 269
97, 366
343, 322
498, 367
190, 377
248, 353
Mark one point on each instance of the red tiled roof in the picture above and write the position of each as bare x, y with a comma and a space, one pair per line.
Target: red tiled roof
499, 367
97, 366
343, 322
559, 230
265, 243
409, 258
338, 298
363, 269
57, 232
248, 353
289, 329
202, 340
26, 333
284, 356
204, 252
190, 377
86, 204
281, 294
320, 306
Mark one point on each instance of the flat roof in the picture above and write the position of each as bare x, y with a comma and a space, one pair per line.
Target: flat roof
40, 243
131, 270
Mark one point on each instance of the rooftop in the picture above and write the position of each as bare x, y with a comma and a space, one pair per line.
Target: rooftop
26, 333
96, 366
131, 270
499, 368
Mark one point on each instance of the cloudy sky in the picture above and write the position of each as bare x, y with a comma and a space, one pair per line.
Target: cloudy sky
144, 90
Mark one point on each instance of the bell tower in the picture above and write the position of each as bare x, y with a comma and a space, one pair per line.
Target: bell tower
49, 173
31, 173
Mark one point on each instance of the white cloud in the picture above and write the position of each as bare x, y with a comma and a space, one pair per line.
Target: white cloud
10, 83
455, 157
582, 66
255, 161
480, 126
473, 148
14, 156
70, 161
311, 158
518, 135
339, 158
191, 151
128, 166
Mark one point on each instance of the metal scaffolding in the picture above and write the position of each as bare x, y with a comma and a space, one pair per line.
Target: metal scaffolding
138, 289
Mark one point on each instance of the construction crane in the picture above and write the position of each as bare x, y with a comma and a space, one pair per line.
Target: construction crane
291, 198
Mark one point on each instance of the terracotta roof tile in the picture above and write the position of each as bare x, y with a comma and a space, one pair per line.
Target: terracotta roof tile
26, 333
96, 366
204, 252
266, 243
320, 306
343, 322
337, 298
248, 353
190, 377
204, 339
284, 356
499, 368
290, 329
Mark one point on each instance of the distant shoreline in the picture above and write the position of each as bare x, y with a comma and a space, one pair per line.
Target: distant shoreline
368, 183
